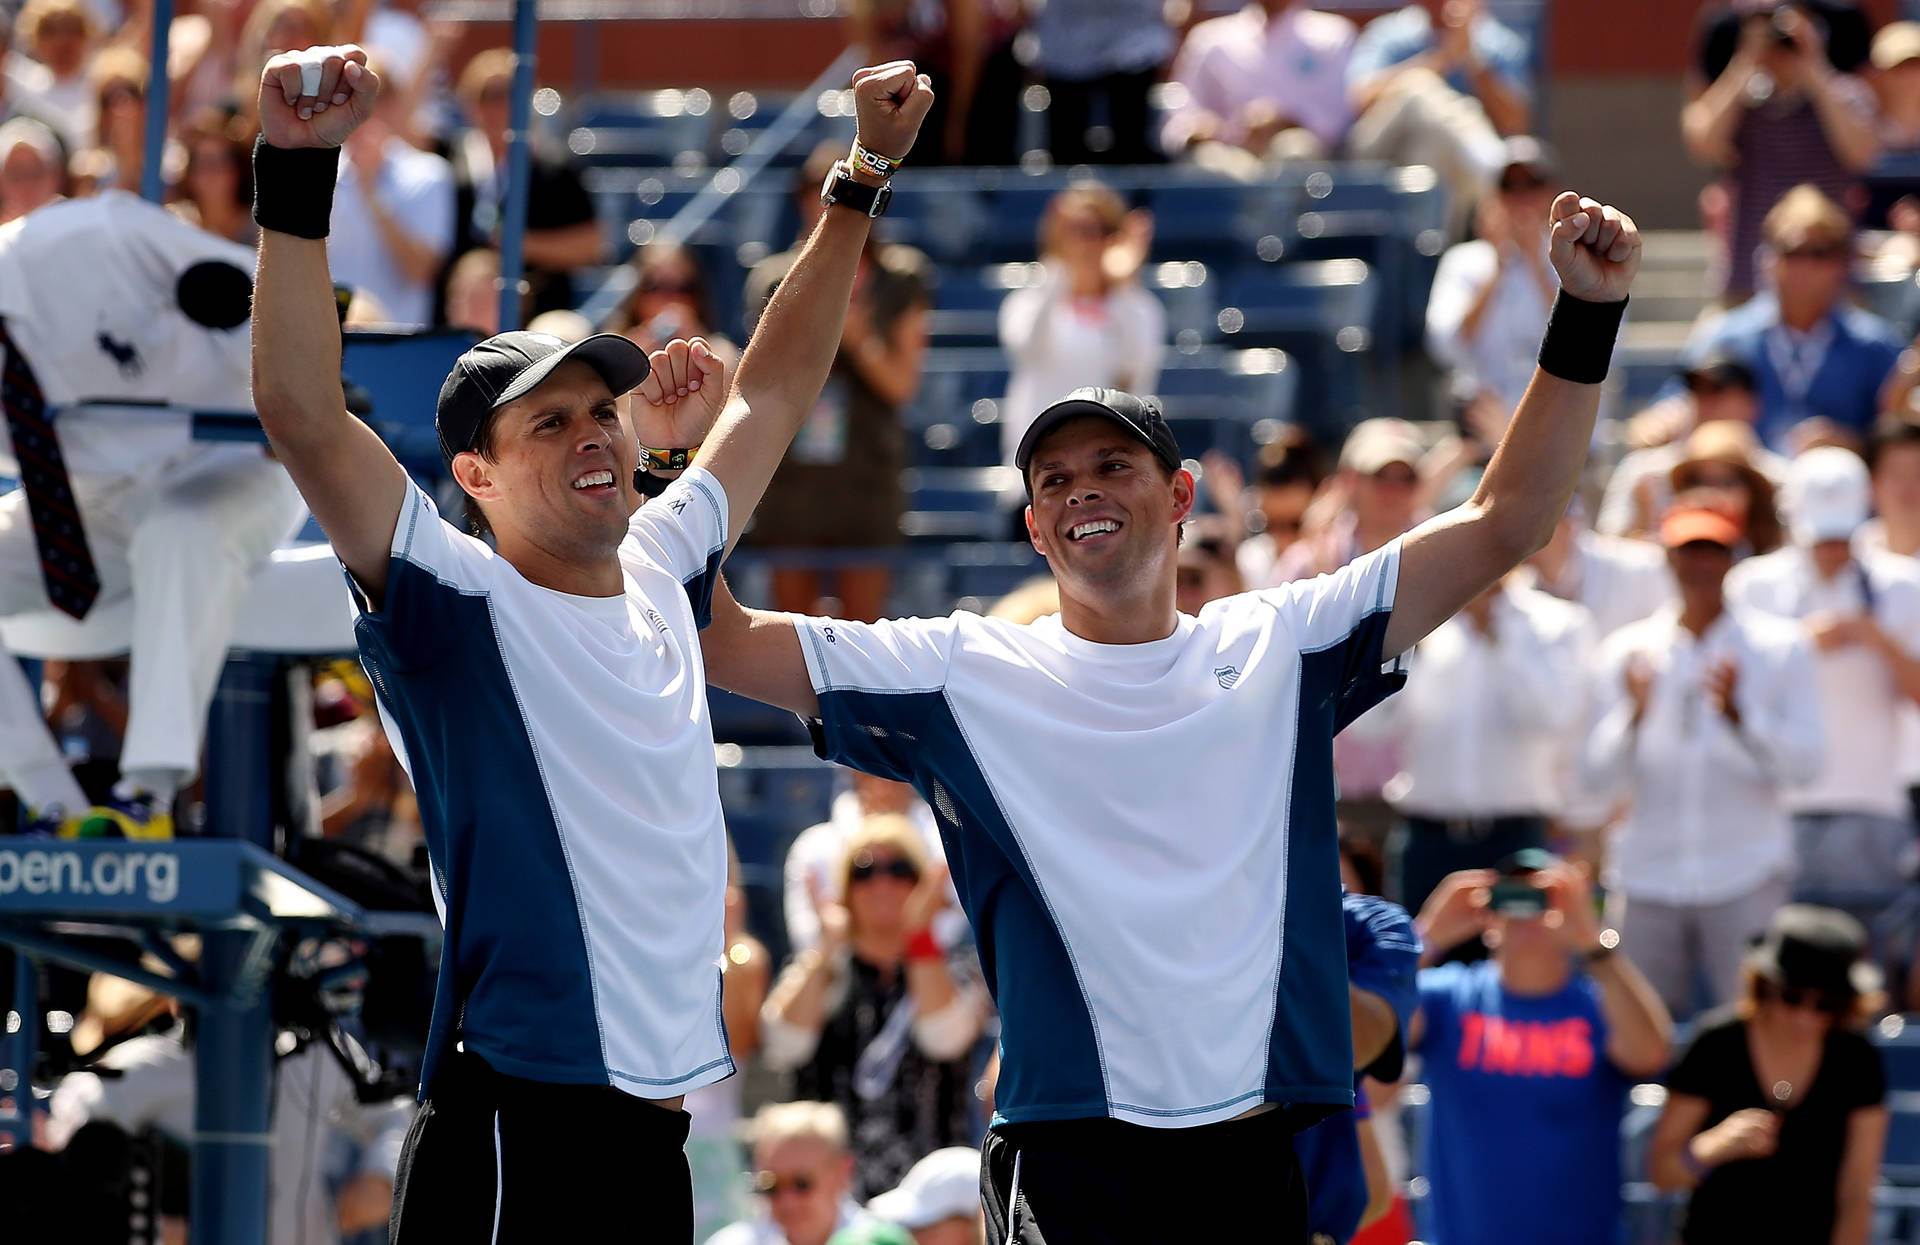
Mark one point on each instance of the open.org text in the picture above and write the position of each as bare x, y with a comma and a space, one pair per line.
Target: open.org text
55, 871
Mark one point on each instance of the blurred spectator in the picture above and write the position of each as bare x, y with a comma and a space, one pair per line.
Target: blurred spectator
148, 1081
215, 190
18, 75
1263, 83
1339, 1156
393, 218
374, 806
966, 48
562, 232
873, 1017
1286, 478
938, 1200
1490, 296
1478, 732
1893, 460
1719, 388
1207, 569
1098, 61
1618, 581
273, 27
1441, 94
1775, 1119
840, 485
1701, 714
812, 867
1373, 498
1812, 354
1087, 321
119, 78
58, 36
1896, 85
1720, 468
1778, 116
473, 292
32, 167
1529, 1056
1853, 828
714, 1155
568, 325
670, 299
803, 1170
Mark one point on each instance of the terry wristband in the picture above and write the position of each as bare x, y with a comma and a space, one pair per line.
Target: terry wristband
922, 945
872, 162
293, 188
1578, 345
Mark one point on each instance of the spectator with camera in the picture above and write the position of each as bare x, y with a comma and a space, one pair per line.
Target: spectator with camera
1777, 116
1853, 830
1529, 1055
1701, 714
803, 1172
1775, 1120
874, 1017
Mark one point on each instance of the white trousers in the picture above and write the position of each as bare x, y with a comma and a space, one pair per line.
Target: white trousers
185, 543
1422, 120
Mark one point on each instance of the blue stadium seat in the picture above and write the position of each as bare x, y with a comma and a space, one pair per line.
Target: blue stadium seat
1321, 313
960, 503
1899, 1043
402, 373
643, 127
1901, 1165
1211, 220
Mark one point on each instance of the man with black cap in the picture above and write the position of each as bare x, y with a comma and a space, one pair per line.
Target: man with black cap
107, 302
1138, 805
546, 694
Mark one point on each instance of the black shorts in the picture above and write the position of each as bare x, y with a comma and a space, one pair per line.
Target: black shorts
1105, 1182
496, 1158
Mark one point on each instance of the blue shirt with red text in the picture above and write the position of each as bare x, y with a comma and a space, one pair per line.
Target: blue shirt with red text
1523, 1144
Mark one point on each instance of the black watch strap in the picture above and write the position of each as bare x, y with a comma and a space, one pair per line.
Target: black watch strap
842, 190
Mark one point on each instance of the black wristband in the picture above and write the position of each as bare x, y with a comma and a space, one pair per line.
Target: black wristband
293, 188
1578, 345
649, 485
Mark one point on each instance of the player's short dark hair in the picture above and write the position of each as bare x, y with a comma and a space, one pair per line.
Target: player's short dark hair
483, 446
1889, 433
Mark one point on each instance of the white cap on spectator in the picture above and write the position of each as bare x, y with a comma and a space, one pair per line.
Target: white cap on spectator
944, 1185
27, 132
1377, 443
1828, 495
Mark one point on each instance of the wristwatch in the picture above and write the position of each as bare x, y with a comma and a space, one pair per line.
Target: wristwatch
841, 188
1608, 943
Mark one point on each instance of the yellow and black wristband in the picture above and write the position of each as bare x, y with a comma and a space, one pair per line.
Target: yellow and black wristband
667, 460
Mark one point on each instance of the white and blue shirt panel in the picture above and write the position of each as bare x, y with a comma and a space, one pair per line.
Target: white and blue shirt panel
563, 757
1142, 835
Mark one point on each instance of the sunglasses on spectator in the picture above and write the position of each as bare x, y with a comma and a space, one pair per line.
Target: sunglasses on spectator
770, 1184
61, 28
1706, 387
1085, 228
1729, 478
1787, 994
1820, 251
866, 868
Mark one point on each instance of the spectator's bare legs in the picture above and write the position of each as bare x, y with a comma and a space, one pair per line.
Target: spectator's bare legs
863, 592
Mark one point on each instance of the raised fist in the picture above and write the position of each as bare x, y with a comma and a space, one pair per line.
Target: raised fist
1595, 248
317, 97
889, 102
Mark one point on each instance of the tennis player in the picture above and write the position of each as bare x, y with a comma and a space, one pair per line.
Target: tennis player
547, 694
1138, 805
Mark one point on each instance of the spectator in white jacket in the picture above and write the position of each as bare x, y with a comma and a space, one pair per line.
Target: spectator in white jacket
1703, 713
1088, 321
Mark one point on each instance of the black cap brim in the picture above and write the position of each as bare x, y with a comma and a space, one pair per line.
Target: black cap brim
1076, 408
621, 364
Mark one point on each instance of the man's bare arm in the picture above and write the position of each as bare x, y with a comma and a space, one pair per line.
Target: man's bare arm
780, 376
1454, 557
757, 654
346, 473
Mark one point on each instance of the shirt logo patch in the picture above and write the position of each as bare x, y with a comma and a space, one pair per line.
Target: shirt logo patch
1228, 675
122, 353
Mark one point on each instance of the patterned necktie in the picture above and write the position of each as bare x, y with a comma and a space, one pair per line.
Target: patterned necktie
65, 563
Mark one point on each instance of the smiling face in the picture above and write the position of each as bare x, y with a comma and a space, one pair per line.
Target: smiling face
1105, 513
559, 474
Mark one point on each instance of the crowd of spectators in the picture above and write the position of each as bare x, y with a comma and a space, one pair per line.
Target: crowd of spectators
1616, 784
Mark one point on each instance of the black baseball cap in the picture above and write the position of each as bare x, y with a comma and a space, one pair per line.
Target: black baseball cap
1140, 416
507, 366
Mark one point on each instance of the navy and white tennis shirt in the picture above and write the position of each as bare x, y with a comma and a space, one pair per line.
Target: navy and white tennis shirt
1142, 835
563, 758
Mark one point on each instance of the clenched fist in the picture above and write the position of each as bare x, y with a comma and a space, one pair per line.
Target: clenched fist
889, 102
1595, 248
317, 97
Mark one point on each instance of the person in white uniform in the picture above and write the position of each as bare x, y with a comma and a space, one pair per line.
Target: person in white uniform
97, 305
545, 692
1138, 805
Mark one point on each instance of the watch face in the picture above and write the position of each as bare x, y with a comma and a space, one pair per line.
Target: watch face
826, 187
881, 198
